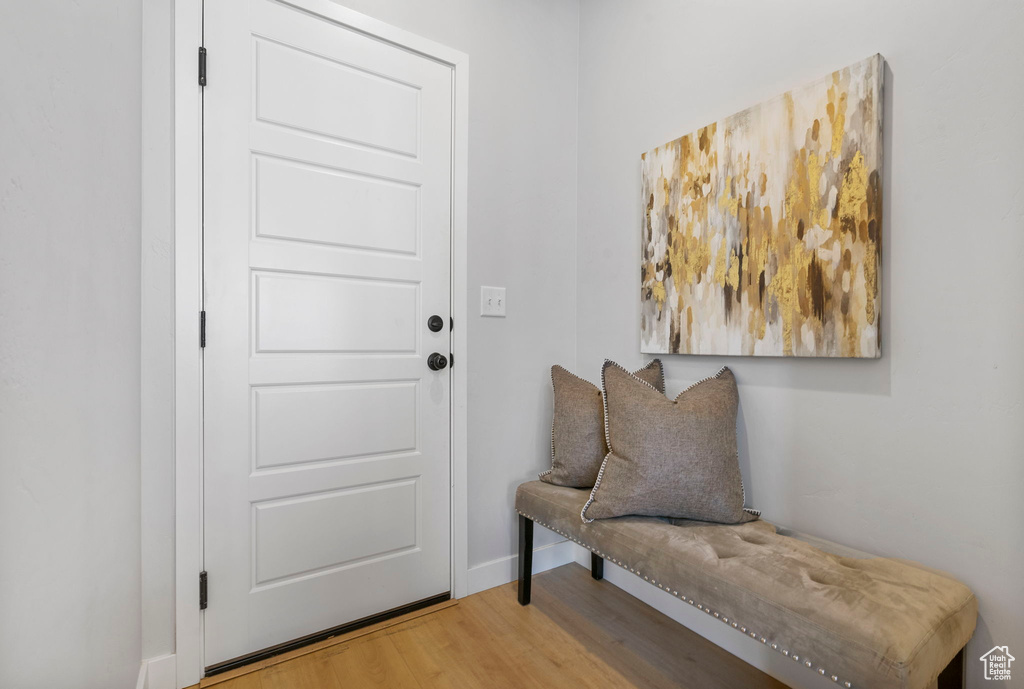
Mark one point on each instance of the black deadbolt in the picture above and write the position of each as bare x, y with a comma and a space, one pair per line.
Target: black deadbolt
435, 323
436, 361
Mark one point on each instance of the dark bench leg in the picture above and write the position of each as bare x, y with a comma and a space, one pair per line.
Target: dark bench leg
953, 676
596, 566
525, 559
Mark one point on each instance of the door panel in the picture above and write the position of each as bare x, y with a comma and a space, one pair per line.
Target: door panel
390, 120
333, 314
319, 204
386, 513
327, 185
299, 424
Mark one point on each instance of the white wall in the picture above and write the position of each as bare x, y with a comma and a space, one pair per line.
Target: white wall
69, 343
919, 454
157, 403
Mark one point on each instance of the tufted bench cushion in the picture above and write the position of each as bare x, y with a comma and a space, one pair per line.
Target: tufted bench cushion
862, 621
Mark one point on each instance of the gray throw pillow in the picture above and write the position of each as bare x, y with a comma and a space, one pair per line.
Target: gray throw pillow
669, 458
577, 426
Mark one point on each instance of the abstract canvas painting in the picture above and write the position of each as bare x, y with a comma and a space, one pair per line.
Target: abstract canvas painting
762, 231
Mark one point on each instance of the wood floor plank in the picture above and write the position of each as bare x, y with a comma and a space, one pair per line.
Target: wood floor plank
321, 645
430, 658
372, 662
577, 633
647, 646
546, 657
472, 652
311, 671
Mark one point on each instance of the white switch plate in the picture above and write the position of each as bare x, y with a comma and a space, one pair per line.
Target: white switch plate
492, 301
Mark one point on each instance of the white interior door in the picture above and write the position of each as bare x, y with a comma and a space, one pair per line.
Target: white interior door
327, 224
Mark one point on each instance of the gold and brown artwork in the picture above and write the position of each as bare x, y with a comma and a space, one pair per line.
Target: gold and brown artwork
762, 232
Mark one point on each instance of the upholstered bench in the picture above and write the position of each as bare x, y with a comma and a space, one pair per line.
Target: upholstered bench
862, 621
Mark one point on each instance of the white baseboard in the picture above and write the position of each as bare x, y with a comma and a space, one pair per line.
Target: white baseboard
158, 673
505, 569
749, 650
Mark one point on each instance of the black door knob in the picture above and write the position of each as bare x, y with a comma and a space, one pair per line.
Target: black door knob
436, 361
435, 323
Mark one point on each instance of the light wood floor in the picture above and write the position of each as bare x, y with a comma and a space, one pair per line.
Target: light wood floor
577, 633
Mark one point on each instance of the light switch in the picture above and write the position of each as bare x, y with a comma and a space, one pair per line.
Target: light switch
492, 301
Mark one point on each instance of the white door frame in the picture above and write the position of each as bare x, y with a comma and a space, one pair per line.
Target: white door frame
188, 411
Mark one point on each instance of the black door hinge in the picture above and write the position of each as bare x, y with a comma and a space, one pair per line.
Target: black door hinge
451, 360
202, 66
202, 590
451, 323
202, 328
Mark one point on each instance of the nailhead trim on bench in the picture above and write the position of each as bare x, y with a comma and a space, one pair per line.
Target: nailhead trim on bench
699, 606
